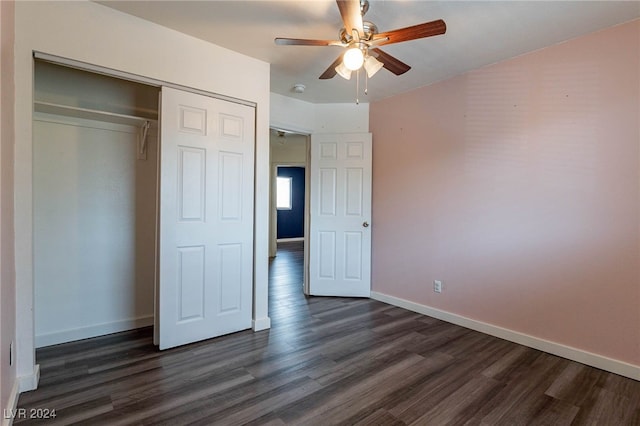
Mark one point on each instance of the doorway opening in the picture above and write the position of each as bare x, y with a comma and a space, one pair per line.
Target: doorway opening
289, 212
290, 208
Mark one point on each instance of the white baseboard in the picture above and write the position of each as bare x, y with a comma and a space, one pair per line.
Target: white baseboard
92, 331
261, 324
30, 382
288, 240
20, 384
578, 355
12, 403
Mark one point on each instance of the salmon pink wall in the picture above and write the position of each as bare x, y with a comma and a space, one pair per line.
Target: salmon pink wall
518, 185
7, 255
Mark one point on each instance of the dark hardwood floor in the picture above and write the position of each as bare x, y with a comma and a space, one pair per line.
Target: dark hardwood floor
326, 361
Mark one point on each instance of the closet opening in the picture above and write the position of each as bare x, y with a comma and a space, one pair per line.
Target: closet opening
95, 204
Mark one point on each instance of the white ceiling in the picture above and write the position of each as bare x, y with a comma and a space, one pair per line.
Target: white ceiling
478, 33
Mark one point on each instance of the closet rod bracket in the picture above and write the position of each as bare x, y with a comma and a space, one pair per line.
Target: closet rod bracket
142, 140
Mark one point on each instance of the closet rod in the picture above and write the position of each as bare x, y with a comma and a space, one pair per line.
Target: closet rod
90, 114
111, 117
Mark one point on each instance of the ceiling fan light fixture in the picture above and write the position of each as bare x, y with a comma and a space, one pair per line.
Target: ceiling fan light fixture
353, 58
343, 71
372, 66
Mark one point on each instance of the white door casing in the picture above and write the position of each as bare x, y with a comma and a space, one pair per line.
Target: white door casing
340, 232
206, 217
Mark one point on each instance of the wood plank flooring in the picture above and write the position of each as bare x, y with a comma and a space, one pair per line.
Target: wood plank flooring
326, 361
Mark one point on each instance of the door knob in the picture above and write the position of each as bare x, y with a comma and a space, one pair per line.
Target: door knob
365, 224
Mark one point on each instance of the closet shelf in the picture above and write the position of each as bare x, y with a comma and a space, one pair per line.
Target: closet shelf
90, 114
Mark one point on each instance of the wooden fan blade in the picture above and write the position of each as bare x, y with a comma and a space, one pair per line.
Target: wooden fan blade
302, 42
350, 12
428, 29
394, 65
331, 71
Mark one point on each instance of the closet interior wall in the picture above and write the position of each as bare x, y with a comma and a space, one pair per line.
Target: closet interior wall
95, 203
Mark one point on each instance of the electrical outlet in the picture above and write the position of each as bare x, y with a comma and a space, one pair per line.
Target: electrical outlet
437, 286
11, 353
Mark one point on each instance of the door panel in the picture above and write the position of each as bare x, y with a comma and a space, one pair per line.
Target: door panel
340, 242
230, 271
206, 217
355, 196
191, 184
191, 283
327, 192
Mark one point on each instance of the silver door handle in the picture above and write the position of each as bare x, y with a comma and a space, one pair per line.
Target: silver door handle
365, 224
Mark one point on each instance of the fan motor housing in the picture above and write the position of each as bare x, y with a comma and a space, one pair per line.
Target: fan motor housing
370, 29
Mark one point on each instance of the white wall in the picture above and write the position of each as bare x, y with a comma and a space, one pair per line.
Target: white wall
291, 114
305, 117
92, 33
94, 229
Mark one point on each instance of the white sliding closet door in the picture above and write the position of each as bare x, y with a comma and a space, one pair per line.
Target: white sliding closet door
206, 217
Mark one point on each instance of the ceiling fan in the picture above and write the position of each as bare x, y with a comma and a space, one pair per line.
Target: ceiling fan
361, 40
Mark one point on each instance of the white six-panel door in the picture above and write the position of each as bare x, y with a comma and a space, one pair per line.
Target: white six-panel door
206, 217
340, 204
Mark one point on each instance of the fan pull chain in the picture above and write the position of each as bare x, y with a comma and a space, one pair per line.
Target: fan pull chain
357, 86
366, 84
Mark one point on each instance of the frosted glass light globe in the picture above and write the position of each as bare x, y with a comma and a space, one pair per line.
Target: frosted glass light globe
353, 59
